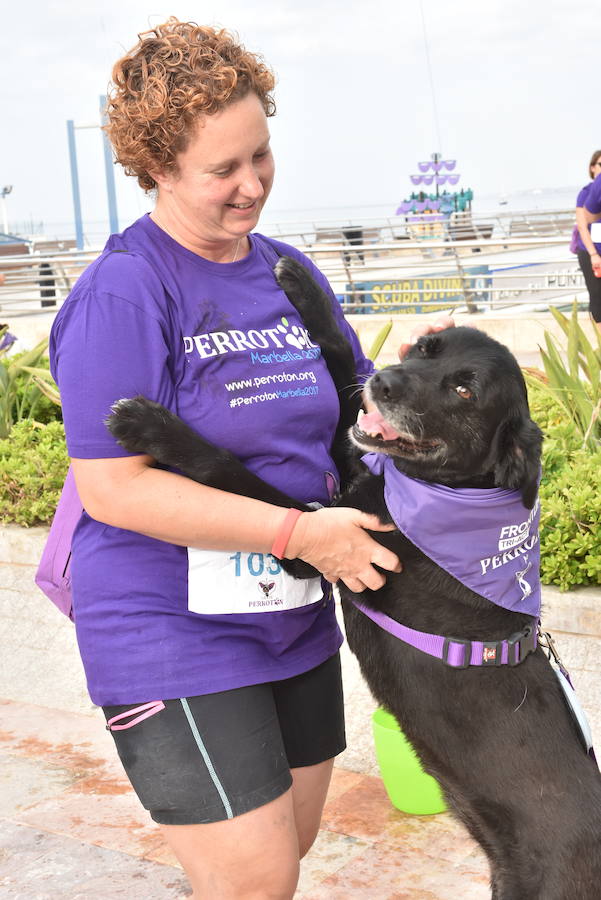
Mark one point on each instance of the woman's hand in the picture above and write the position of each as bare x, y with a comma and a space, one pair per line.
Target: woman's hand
427, 328
335, 542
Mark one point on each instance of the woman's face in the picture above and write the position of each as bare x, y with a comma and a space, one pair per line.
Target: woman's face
224, 176
596, 168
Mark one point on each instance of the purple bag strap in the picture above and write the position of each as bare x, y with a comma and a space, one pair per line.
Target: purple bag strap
53, 576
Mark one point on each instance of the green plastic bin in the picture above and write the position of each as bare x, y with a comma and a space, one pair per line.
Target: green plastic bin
408, 787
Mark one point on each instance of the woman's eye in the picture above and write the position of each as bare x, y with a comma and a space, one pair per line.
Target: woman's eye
464, 392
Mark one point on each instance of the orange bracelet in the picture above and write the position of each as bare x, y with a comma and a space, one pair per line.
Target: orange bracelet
281, 539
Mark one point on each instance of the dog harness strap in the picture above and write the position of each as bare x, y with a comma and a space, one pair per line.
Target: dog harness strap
456, 652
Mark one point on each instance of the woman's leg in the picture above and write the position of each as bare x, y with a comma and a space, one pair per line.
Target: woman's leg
593, 285
212, 770
311, 715
254, 856
237, 780
309, 792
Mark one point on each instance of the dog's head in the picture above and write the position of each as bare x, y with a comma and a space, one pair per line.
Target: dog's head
455, 411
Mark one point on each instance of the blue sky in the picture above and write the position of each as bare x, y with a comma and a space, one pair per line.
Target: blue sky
514, 89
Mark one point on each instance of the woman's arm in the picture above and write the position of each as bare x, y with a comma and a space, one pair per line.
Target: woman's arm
129, 493
583, 220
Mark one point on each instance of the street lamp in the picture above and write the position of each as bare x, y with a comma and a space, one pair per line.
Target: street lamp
3, 194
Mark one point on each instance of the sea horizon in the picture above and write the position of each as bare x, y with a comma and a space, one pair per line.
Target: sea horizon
276, 220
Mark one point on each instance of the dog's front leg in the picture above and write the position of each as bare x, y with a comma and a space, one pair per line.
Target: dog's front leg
142, 426
315, 309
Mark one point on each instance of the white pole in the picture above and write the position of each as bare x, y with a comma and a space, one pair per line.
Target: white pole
3, 195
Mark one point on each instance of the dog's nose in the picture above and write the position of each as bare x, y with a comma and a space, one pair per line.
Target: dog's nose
386, 385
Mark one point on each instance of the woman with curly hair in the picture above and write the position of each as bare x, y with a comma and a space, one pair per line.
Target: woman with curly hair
588, 210
218, 674
220, 684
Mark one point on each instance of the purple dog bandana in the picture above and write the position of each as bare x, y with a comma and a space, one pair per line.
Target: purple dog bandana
485, 538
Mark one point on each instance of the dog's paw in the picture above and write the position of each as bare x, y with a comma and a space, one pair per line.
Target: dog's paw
292, 276
298, 568
138, 423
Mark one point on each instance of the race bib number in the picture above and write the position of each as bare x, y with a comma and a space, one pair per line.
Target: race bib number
222, 582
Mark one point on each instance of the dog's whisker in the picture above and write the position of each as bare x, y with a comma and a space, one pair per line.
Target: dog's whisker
523, 699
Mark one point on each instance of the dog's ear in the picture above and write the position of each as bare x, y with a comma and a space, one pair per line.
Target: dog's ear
516, 455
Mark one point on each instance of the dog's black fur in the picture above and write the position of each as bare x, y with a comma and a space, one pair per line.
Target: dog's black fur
500, 741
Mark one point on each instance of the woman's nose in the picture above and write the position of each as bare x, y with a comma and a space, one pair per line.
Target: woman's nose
251, 185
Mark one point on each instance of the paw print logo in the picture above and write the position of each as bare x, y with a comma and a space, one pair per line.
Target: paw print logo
295, 337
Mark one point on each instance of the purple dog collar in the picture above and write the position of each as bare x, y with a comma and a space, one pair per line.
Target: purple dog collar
456, 652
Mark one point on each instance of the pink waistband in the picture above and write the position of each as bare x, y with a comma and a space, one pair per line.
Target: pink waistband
146, 710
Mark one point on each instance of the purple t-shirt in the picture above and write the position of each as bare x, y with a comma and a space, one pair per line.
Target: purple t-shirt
590, 198
222, 346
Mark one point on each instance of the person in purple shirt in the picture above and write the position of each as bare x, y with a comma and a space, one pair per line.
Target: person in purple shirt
588, 210
218, 674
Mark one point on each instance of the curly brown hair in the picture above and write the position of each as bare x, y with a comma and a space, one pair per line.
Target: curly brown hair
176, 73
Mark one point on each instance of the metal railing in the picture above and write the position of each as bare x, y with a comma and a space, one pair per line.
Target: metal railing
392, 228
375, 265
36, 282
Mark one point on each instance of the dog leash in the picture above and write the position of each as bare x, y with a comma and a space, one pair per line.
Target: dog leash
456, 652
563, 676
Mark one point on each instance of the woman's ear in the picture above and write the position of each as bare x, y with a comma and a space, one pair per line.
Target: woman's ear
517, 457
162, 178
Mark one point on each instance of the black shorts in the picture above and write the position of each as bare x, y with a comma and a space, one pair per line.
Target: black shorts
204, 759
593, 285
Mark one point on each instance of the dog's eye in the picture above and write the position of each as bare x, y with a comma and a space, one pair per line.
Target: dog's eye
464, 392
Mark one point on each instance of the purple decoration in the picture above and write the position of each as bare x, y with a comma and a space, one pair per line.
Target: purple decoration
449, 163
427, 179
437, 166
7, 340
423, 166
416, 179
421, 205
435, 204
405, 207
453, 179
441, 179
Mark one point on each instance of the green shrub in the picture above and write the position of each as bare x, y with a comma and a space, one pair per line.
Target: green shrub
574, 377
570, 495
33, 466
12, 371
29, 401
571, 523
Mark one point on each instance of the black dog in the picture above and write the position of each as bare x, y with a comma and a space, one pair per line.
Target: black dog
500, 740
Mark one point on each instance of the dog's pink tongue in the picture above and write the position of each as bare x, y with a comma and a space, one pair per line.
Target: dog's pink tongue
373, 423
